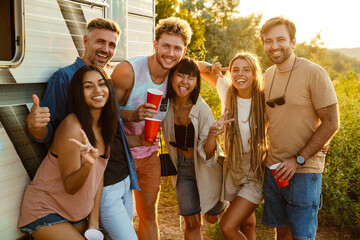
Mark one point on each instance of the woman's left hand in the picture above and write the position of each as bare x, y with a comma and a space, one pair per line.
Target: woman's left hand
218, 127
87, 151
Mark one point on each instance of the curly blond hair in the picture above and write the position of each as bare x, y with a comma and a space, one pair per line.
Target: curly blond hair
174, 26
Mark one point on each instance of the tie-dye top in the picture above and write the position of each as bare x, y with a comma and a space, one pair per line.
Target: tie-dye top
142, 82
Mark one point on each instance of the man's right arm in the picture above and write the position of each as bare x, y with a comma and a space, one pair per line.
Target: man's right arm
37, 120
44, 118
123, 80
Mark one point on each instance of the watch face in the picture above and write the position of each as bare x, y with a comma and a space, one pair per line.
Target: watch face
300, 159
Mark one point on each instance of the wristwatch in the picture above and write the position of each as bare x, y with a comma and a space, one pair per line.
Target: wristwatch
299, 159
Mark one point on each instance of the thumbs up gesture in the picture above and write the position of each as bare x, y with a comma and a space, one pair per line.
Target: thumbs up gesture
38, 118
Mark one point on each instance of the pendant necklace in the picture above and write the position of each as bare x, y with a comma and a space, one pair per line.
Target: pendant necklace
180, 108
172, 132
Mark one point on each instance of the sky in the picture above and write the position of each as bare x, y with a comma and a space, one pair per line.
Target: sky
338, 20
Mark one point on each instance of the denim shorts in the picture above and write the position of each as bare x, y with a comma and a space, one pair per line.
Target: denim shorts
296, 205
48, 220
187, 193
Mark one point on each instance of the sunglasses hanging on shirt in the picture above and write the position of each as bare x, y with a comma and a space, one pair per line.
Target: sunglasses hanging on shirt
278, 100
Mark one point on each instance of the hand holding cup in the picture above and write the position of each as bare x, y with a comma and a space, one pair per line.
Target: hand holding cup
154, 97
152, 126
144, 142
282, 183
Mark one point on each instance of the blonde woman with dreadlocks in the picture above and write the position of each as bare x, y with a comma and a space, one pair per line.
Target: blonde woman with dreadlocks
242, 97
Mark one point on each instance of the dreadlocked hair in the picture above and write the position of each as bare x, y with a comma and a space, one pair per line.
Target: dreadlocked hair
234, 148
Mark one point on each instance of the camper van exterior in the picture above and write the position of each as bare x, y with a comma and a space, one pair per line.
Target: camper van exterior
37, 38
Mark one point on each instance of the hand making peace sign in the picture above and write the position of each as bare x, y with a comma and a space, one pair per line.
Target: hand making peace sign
216, 69
87, 151
218, 127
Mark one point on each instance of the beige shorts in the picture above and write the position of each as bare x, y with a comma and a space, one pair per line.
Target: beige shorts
245, 187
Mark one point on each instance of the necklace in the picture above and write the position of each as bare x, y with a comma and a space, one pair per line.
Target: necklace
172, 131
295, 65
292, 68
247, 119
179, 110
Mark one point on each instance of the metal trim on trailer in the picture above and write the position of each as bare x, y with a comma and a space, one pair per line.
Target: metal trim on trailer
141, 15
91, 2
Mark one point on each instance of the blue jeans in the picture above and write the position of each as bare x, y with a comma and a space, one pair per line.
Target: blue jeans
296, 205
187, 193
48, 220
116, 211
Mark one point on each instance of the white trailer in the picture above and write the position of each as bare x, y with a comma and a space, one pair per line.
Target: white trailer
36, 38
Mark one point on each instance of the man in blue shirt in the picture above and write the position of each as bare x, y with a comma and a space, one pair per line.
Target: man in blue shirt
100, 43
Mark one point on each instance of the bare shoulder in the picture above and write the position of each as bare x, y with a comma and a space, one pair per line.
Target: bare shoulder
123, 76
69, 128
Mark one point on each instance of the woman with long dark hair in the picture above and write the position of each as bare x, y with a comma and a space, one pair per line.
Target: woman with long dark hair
63, 199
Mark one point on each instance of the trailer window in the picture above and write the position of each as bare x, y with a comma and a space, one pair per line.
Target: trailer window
10, 31
117, 12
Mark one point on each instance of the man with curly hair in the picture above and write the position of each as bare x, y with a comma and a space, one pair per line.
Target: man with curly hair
131, 79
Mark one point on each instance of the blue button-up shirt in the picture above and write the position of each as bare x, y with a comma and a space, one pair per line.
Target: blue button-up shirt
56, 99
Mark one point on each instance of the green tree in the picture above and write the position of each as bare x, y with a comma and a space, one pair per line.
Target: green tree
239, 35
220, 12
165, 8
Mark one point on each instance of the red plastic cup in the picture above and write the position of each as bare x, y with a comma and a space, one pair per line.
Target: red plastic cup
154, 97
281, 184
93, 234
151, 129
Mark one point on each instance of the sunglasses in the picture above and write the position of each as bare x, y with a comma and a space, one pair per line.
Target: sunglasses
279, 100
276, 101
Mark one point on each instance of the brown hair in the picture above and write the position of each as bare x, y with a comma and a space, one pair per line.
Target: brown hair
290, 26
103, 23
233, 143
174, 26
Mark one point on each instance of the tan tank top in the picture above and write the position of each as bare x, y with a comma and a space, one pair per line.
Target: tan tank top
46, 193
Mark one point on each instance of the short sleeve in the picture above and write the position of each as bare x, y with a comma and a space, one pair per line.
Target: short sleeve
322, 90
